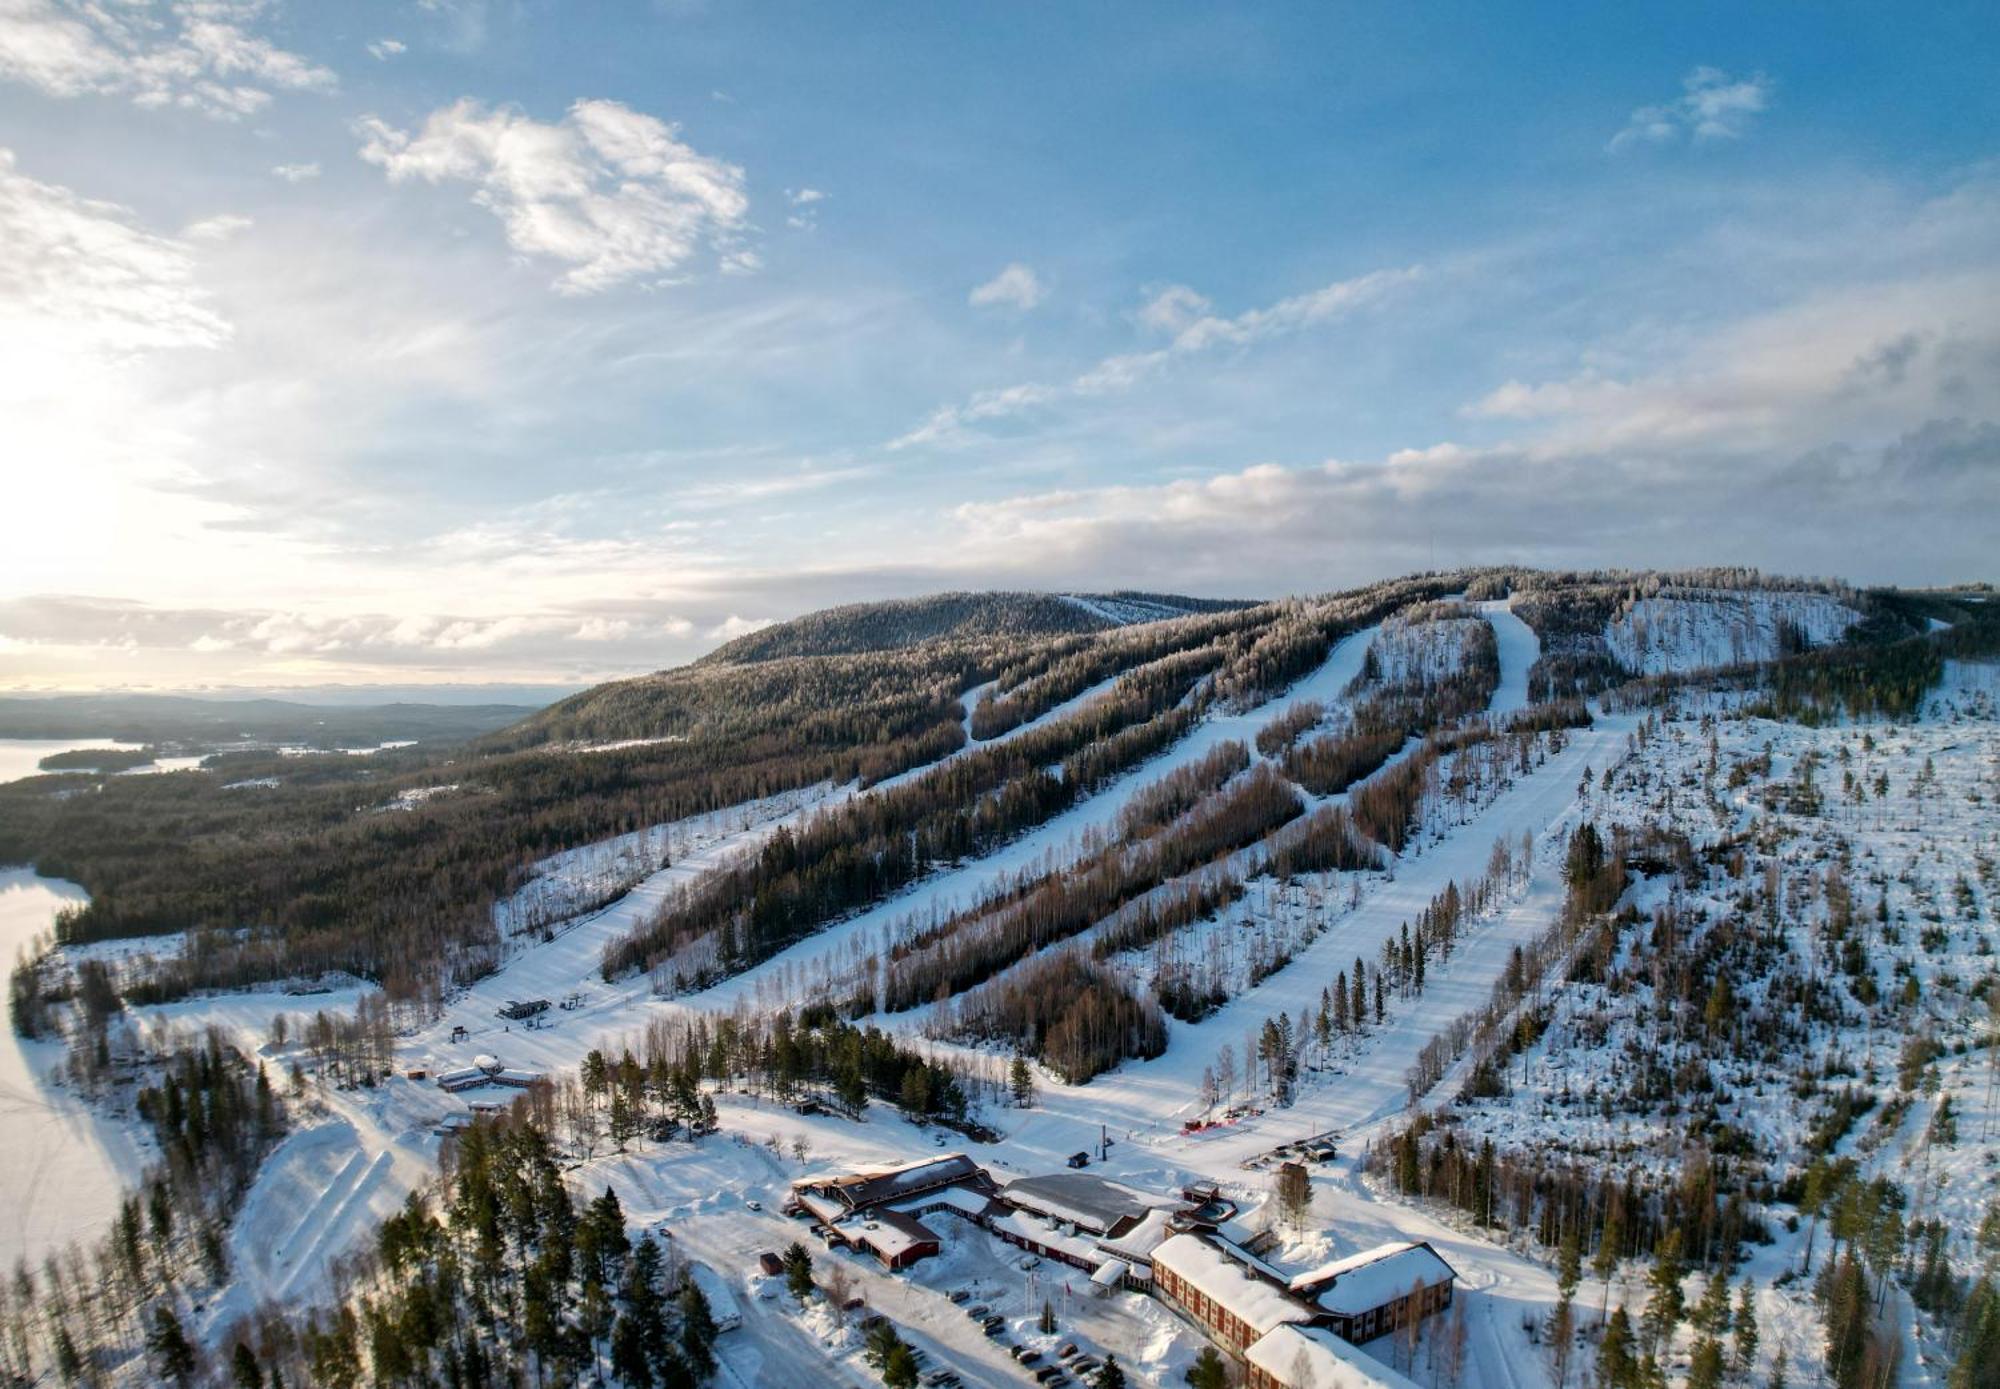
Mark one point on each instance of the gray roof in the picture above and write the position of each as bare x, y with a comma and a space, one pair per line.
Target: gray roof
1079, 1198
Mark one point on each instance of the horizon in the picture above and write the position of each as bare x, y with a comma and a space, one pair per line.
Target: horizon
533, 694
452, 345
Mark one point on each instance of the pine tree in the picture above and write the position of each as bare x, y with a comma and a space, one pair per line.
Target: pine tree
1604, 1263
798, 1271
171, 1353
1667, 1301
1021, 1081
1746, 1329
1616, 1368
243, 1368
1208, 1371
899, 1368
1109, 1375
697, 1330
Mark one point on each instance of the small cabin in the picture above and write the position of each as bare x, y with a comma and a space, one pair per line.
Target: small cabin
1079, 1159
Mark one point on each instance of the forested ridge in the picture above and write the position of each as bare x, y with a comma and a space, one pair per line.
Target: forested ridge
332, 869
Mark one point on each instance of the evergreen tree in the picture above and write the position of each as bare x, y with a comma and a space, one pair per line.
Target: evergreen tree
899, 1368
697, 1330
1616, 1369
1109, 1375
1746, 1329
1021, 1081
1666, 1302
172, 1355
798, 1271
1208, 1371
243, 1368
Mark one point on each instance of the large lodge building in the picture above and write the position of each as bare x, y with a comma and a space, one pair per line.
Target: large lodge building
1278, 1326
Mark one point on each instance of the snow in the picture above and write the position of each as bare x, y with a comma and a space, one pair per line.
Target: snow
1220, 1278
63, 1166
1058, 841
1124, 612
1310, 1357
1701, 629
1519, 649
1373, 1278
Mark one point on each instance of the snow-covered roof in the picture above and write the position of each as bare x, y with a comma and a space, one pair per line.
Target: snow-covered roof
1139, 1242
1048, 1235
873, 1186
1374, 1277
1311, 1357
891, 1233
826, 1210
1110, 1273
1201, 1265
964, 1200
1083, 1200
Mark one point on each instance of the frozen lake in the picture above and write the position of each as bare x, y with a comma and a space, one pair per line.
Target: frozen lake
59, 1179
21, 758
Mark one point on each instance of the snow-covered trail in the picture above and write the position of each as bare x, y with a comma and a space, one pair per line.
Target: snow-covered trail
1519, 649
1151, 1099
1051, 845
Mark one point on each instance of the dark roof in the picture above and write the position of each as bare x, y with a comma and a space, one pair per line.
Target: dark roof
1079, 1198
865, 1189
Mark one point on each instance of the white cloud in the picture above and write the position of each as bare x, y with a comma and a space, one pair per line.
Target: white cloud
805, 214
84, 277
611, 192
385, 49
1195, 330
196, 55
217, 228
733, 626
602, 629
296, 173
1016, 287
1712, 106
1173, 308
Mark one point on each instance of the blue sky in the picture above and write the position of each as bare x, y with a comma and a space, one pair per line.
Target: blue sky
458, 341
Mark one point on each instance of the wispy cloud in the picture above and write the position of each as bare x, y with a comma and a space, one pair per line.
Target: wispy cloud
613, 193
804, 215
385, 49
82, 276
1712, 106
296, 173
199, 55
1017, 286
1195, 329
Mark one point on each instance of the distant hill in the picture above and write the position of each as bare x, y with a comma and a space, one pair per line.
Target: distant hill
183, 719
903, 622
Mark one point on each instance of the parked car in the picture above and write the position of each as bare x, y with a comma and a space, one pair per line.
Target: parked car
1066, 1351
753, 1205
1030, 1262
1030, 1357
1049, 1374
978, 1311
959, 1296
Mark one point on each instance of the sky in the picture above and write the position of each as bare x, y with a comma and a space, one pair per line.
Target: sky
462, 341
